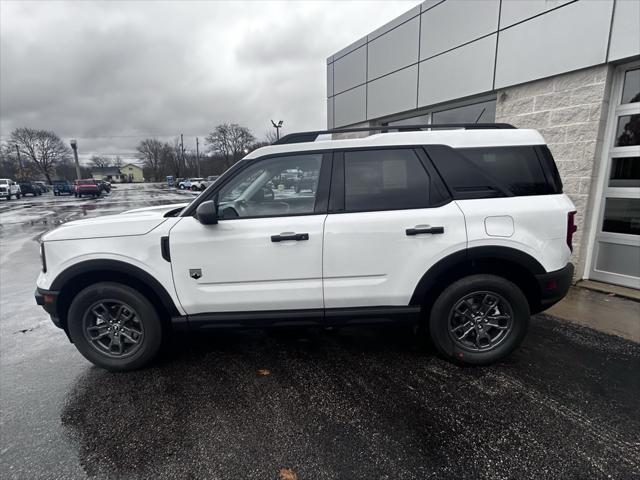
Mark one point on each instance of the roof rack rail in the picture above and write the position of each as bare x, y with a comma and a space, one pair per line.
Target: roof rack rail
311, 136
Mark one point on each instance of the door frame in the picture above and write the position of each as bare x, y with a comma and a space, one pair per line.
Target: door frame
614, 111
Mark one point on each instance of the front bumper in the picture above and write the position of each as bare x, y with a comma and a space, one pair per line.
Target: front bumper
553, 286
48, 300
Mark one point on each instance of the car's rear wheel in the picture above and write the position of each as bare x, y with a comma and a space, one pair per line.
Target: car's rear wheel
18, 195
479, 319
114, 326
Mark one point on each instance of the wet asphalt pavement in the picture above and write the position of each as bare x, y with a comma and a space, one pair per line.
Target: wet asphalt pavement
305, 404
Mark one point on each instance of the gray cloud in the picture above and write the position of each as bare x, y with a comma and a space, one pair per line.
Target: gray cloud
110, 73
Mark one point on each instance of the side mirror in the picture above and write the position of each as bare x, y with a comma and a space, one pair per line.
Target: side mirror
207, 213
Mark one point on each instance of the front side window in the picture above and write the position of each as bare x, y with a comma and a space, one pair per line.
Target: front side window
272, 187
384, 180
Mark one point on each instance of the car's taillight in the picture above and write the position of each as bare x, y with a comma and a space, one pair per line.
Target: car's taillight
571, 228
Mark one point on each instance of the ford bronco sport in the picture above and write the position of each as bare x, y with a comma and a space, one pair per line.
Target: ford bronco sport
463, 231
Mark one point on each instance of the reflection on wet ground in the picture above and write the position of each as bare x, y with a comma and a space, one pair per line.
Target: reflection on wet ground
356, 404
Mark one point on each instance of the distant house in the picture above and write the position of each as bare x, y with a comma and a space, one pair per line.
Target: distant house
132, 173
129, 173
109, 174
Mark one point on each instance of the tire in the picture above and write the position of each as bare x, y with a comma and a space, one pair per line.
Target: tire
8, 197
181, 187
478, 291
18, 195
81, 316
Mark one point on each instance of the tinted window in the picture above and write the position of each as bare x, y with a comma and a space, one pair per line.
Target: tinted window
384, 180
518, 169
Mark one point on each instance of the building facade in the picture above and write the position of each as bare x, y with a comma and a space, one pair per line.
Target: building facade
570, 69
129, 173
132, 173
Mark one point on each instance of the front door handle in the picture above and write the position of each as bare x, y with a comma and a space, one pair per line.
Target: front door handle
427, 229
283, 237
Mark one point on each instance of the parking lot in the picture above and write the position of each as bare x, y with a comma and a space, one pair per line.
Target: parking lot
306, 404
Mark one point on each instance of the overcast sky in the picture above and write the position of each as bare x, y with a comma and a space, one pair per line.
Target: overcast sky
113, 73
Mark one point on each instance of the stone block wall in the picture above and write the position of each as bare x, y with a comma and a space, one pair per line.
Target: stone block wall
570, 111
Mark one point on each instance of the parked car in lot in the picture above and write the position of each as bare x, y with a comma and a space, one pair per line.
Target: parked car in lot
30, 188
193, 184
62, 187
104, 186
306, 181
465, 232
86, 187
44, 188
212, 178
9, 188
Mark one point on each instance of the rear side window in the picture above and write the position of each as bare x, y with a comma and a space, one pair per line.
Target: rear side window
384, 180
519, 169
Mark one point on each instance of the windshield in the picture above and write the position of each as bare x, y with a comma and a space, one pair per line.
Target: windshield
4, 181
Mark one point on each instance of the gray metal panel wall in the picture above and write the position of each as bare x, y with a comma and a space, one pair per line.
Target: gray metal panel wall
514, 11
392, 93
458, 73
350, 70
568, 38
394, 50
451, 24
625, 30
457, 41
350, 106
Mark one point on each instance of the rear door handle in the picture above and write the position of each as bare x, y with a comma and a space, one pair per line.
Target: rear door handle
289, 236
427, 229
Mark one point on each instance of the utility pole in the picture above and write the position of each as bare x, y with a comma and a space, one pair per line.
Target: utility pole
182, 151
74, 147
277, 126
19, 161
198, 155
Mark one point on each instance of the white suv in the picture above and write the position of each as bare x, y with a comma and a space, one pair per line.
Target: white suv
193, 184
9, 188
466, 232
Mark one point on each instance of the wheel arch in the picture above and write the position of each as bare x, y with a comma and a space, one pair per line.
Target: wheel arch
79, 276
512, 264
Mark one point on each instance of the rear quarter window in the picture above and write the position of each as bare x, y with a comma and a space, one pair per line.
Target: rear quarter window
486, 172
519, 169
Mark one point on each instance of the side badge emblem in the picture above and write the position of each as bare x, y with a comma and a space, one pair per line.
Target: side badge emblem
195, 273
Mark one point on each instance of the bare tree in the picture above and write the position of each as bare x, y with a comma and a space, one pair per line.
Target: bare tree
42, 147
118, 162
230, 140
99, 161
271, 136
9, 167
153, 154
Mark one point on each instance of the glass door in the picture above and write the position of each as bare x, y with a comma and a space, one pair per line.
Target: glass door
617, 247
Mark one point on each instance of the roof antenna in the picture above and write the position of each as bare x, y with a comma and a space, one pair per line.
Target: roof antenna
477, 119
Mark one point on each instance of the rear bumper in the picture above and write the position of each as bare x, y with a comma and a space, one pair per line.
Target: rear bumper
554, 285
48, 300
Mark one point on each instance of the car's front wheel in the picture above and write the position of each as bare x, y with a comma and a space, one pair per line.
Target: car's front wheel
114, 326
479, 319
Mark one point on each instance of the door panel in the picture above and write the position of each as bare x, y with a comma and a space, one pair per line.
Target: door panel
617, 242
242, 269
370, 260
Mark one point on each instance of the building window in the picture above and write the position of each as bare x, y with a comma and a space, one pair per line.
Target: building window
476, 112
